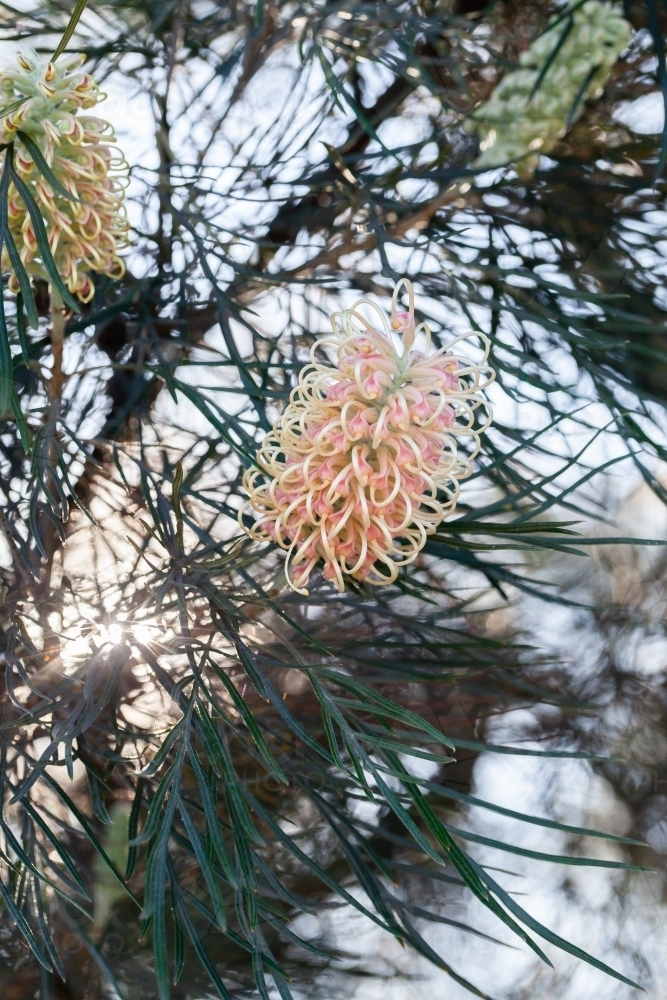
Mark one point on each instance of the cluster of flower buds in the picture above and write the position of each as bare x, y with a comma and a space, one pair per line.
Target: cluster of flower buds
526, 115
42, 100
363, 465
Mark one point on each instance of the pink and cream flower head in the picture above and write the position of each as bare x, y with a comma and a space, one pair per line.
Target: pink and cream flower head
42, 100
365, 463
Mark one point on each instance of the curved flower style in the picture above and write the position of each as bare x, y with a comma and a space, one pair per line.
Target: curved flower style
363, 465
41, 100
521, 119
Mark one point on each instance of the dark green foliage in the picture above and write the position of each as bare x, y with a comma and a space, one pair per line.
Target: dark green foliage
240, 724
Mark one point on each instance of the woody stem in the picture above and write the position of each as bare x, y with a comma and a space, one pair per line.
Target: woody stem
57, 341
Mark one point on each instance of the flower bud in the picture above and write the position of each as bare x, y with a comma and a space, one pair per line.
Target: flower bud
517, 115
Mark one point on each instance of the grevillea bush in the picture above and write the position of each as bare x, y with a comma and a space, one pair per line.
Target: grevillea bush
220, 747
365, 462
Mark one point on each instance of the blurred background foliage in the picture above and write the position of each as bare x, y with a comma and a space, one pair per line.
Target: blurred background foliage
213, 784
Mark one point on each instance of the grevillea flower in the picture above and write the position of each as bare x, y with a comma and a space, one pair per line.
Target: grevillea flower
526, 115
42, 100
364, 463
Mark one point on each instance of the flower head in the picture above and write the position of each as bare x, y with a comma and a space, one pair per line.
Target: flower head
42, 100
525, 115
364, 463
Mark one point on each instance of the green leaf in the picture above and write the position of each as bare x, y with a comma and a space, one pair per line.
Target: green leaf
213, 825
94, 953
133, 827
204, 865
450, 793
179, 949
6, 362
57, 847
165, 749
44, 931
44, 168
154, 813
376, 702
20, 329
250, 722
70, 29
232, 784
6, 237
562, 38
265, 688
405, 748
197, 944
21, 423
548, 935
19, 920
42, 241
85, 825
559, 859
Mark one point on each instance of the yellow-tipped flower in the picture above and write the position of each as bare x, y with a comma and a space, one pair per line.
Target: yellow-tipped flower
363, 465
43, 100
